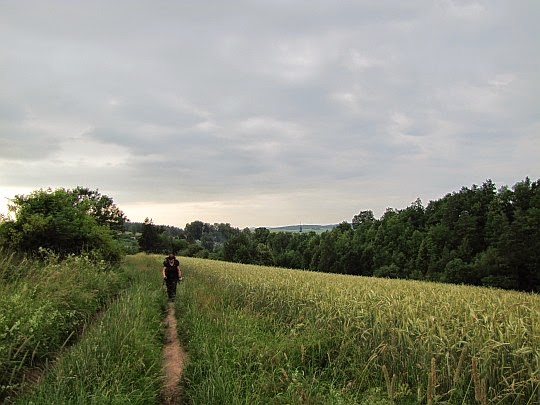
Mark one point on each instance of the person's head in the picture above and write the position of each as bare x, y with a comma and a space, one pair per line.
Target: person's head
171, 257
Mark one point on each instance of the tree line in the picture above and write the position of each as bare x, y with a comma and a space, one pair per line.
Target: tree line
478, 235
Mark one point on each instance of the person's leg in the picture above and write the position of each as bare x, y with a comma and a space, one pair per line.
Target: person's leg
171, 289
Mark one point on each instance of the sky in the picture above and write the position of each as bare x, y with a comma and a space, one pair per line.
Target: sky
267, 112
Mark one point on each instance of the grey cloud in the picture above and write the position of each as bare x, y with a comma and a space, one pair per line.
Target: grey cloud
233, 100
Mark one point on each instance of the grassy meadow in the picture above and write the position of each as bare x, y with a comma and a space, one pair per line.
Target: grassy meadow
92, 334
43, 306
258, 335
261, 335
118, 359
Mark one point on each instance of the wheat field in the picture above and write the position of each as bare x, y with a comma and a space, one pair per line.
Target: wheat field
422, 342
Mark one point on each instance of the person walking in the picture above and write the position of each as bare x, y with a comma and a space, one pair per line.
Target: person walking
171, 275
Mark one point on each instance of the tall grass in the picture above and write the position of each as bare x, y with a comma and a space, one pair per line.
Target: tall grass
260, 335
118, 360
42, 306
267, 335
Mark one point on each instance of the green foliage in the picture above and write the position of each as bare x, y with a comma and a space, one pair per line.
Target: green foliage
149, 240
42, 305
194, 230
118, 360
239, 249
128, 243
100, 207
165, 239
476, 236
64, 222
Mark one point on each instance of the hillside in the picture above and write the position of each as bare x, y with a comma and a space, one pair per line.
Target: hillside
302, 228
260, 334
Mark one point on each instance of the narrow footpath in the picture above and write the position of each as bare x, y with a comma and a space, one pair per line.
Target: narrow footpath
173, 360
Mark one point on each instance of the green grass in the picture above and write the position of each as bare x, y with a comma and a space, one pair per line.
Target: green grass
265, 335
261, 335
42, 308
118, 360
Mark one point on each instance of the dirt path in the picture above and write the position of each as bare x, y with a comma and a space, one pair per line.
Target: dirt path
173, 360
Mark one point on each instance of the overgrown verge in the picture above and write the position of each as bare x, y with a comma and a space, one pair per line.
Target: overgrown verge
119, 359
42, 306
274, 336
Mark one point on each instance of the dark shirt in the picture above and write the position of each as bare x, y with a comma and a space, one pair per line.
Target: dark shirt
171, 269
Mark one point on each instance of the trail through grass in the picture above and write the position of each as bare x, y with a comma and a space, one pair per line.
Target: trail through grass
261, 335
120, 358
174, 358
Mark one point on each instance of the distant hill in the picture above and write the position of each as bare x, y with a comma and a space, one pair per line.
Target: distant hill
305, 228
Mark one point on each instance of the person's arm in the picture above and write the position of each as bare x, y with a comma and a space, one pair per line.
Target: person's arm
163, 272
179, 272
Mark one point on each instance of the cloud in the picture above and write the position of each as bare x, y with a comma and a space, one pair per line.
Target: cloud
264, 112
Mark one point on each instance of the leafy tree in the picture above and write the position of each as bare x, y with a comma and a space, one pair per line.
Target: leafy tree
388, 271
239, 249
327, 254
263, 255
208, 241
279, 244
101, 207
194, 230
223, 232
149, 240
364, 217
63, 221
260, 235
521, 247
459, 272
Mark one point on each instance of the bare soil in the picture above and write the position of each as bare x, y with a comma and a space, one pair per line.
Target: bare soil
174, 358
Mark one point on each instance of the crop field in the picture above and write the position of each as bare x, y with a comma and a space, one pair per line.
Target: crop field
262, 335
267, 335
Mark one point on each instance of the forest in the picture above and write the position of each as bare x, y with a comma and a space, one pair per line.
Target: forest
479, 235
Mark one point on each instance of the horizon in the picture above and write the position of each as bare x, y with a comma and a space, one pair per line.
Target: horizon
267, 112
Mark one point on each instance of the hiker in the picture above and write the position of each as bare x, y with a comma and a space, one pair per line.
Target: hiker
171, 275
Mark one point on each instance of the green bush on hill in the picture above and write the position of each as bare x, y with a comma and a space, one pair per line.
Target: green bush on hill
65, 222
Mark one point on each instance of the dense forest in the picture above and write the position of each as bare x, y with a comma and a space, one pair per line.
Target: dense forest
477, 236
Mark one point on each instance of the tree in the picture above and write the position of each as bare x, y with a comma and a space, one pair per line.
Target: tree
260, 235
194, 231
364, 217
63, 221
149, 238
101, 207
327, 254
239, 249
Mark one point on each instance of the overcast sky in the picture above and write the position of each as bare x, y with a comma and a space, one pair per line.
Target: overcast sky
267, 112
